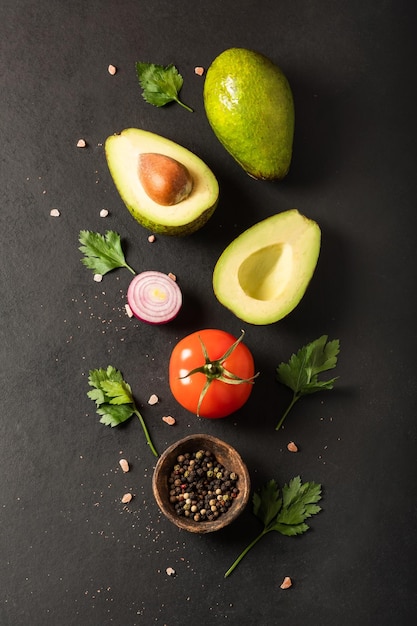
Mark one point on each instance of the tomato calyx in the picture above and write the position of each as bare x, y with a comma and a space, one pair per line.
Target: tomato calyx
215, 370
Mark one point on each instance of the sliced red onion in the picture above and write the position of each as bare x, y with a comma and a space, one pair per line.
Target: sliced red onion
154, 297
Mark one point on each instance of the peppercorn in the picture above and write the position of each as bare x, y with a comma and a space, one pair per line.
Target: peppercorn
205, 490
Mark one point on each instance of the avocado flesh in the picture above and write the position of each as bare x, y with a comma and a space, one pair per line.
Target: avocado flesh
263, 274
122, 154
250, 107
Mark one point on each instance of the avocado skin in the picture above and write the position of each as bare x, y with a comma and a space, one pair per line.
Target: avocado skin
173, 231
250, 107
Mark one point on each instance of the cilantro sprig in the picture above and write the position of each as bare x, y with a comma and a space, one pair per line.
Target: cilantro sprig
284, 511
114, 400
301, 372
102, 253
160, 84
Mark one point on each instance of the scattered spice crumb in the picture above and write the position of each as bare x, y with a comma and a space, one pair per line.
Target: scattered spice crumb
124, 465
104, 213
112, 69
153, 399
128, 310
151, 238
172, 276
286, 583
170, 571
98, 278
168, 419
54, 213
127, 498
199, 70
292, 447
81, 143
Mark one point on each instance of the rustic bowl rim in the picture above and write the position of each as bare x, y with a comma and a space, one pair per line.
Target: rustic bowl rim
191, 443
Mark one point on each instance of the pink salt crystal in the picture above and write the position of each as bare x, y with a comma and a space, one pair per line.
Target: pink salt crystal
286, 583
124, 465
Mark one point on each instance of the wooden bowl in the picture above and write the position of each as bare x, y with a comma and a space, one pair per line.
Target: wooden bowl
224, 454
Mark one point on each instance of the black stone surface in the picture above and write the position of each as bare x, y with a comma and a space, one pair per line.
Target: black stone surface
70, 553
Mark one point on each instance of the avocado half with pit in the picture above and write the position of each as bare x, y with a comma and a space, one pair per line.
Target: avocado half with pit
167, 188
263, 274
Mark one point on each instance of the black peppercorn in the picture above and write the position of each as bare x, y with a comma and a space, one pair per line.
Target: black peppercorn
205, 490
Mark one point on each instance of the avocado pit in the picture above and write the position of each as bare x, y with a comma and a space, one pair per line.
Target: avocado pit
164, 179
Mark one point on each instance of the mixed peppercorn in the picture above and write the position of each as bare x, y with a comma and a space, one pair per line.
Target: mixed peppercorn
200, 487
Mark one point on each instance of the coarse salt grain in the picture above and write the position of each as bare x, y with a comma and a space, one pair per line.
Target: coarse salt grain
54, 213
199, 70
98, 278
286, 583
292, 447
153, 399
170, 571
168, 419
127, 498
128, 310
151, 238
104, 213
124, 465
81, 143
112, 69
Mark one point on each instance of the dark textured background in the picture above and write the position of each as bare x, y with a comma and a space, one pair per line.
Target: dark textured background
70, 553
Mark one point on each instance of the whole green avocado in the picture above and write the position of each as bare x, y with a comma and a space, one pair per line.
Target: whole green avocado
250, 107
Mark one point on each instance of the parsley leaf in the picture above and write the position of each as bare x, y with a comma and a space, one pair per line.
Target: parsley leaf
102, 253
284, 511
160, 84
267, 503
301, 372
114, 400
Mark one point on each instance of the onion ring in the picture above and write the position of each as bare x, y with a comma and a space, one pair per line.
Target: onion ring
154, 297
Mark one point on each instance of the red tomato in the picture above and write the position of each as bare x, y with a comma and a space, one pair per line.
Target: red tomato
221, 398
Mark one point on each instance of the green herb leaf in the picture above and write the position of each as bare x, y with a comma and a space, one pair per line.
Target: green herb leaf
102, 253
160, 84
299, 503
118, 392
114, 415
114, 400
267, 503
301, 372
284, 512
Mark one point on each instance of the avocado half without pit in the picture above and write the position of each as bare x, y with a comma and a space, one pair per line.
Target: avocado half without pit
167, 188
263, 274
